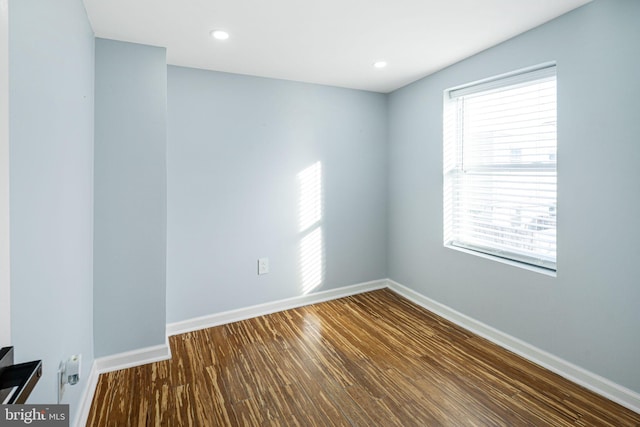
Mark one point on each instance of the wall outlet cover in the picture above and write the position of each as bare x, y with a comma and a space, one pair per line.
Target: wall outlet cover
263, 266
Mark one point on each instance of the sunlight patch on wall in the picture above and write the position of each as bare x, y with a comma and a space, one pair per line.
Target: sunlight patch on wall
310, 186
311, 265
310, 226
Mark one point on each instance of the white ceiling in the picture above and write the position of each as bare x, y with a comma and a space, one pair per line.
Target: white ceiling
332, 42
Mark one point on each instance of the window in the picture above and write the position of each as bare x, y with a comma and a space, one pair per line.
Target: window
500, 167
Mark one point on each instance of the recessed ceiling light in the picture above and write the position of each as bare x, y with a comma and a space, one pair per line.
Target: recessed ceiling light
219, 34
380, 64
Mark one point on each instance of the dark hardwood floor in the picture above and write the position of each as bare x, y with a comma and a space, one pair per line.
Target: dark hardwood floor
374, 359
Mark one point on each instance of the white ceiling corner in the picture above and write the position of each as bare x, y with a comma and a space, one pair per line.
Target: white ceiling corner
331, 42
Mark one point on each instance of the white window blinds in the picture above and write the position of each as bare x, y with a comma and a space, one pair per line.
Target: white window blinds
500, 167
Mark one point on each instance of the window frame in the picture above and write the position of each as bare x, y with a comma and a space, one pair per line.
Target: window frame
454, 170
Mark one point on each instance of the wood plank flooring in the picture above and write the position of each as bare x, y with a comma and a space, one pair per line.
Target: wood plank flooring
373, 359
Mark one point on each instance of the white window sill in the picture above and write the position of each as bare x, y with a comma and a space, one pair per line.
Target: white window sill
512, 263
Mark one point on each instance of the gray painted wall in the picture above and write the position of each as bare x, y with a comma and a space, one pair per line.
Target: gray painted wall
236, 145
51, 154
589, 314
130, 196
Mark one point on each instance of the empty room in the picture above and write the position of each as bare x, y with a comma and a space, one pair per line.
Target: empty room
341, 213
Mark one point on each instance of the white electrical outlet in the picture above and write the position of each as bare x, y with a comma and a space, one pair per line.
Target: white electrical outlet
68, 373
263, 266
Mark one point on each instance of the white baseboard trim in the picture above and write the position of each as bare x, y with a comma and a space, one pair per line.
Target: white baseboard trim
84, 405
116, 362
231, 316
133, 358
602, 386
